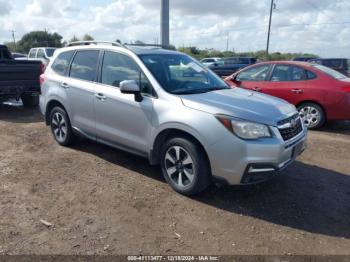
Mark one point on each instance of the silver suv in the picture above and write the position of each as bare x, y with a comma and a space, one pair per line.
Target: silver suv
167, 107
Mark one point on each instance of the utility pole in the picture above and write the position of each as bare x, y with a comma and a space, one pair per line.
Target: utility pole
268, 33
47, 42
14, 39
164, 23
228, 41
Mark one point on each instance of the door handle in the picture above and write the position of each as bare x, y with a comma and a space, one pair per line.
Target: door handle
100, 96
297, 91
257, 89
64, 85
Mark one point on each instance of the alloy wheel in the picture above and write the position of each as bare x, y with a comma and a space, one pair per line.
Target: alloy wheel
59, 127
310, 115
179, 166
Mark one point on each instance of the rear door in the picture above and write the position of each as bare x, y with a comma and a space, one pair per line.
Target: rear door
253, 78
286, 82
80, 89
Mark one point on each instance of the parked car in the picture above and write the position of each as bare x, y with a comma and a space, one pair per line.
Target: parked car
211, 61
19, 56
42, 54
232, 65
146, 101
342, 65
303, 58
320, 93
19, 79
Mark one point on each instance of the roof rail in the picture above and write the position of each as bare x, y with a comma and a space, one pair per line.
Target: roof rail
151, 45
76, 43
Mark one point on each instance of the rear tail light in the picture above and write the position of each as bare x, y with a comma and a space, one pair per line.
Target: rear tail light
42, 80
42, 68
346, 89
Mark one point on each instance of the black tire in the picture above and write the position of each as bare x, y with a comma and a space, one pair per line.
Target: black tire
30, 100
312, 123
56, 114
200, 168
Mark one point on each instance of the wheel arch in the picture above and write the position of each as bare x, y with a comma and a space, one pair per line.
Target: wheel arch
50, 105
167, 134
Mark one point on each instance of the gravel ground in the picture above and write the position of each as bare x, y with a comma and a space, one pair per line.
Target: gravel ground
105, 201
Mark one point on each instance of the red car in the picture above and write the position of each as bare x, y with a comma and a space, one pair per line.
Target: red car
320, 93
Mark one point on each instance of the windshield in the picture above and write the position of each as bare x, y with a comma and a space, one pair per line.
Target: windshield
50, 51
330, 71
180, 74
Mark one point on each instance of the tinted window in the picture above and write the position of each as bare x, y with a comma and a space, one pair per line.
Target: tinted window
84, 65
310, 75
32, 53
257, 73
283, 73
333, 63
5, 54
118, 67
50, 51
40, 53
61, 64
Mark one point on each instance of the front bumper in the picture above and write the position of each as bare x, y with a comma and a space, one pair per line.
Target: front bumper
240, 162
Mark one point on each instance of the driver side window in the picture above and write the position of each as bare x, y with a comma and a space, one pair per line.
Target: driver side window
118, 67
257, 73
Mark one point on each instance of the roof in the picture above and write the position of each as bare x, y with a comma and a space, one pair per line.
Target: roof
300, 63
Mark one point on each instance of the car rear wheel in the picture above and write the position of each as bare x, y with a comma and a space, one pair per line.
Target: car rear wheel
312, 115
61, 127
30, 100
185, 166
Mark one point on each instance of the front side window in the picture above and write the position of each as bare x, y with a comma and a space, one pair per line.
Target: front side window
256, 73
286, 73
84, 65
61, 64
117, 67
32, 53
180, 74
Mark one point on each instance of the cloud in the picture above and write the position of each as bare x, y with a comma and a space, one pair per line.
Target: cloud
6, 7
297, 25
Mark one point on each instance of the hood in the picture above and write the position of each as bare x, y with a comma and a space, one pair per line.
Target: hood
243, 104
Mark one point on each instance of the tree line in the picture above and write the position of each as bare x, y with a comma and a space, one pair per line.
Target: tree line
47, 39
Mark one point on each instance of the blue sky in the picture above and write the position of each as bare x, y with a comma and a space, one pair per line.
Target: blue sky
314, 26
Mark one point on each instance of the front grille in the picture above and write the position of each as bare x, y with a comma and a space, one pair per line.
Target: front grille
290, 127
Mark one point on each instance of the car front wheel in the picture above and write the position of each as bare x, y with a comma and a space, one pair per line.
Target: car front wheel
185, 166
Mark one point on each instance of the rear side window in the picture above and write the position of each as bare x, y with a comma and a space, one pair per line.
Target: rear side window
61, 64
84, 65
286, 73
310, 75
40, 54
32, 53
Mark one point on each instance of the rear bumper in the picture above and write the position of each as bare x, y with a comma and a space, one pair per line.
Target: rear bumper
239, 162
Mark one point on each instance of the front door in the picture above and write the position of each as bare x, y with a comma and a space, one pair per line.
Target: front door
120, 120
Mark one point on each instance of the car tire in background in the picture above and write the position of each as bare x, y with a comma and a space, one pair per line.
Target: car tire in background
185, 166
61, 127
312, 115
30, 100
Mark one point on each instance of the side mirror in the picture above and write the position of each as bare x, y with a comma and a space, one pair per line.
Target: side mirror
131, 87
235, 79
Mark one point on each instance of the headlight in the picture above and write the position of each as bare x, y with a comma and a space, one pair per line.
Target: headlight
244, 129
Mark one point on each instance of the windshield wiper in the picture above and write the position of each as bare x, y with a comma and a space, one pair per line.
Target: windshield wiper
191, 91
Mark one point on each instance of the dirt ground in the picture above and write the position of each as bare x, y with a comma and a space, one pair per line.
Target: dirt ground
104, 201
